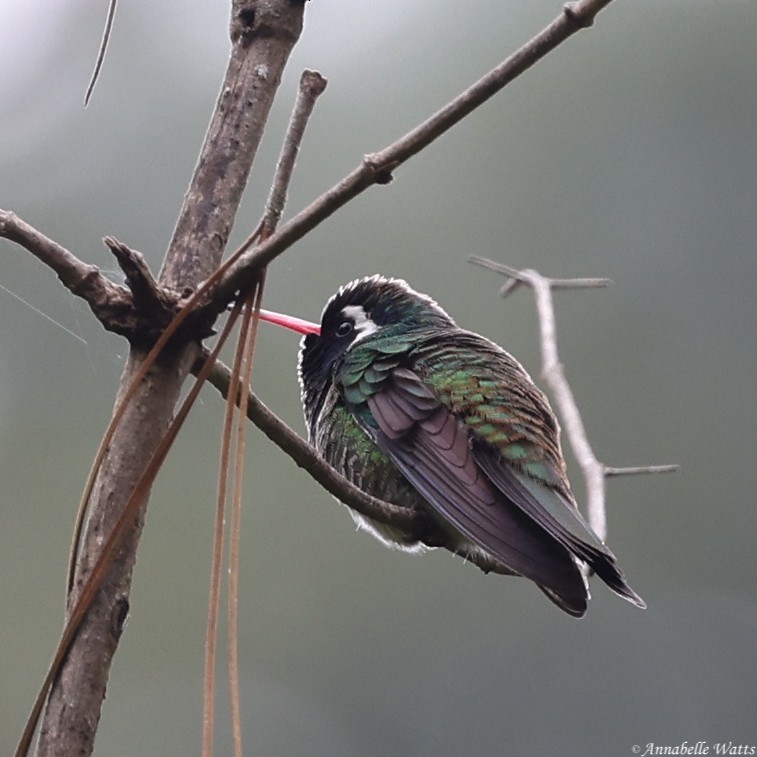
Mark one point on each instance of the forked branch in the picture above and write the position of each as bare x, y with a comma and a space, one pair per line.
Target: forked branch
594, 471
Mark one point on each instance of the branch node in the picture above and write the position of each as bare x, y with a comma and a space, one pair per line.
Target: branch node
119, 616
313, 82
509, 287
379, 168
89, 281
578, 15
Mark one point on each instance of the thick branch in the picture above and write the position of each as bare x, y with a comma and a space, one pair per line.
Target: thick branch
140, 312
263, 33
593, 470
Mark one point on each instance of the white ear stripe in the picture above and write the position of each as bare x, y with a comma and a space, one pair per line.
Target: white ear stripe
364, 326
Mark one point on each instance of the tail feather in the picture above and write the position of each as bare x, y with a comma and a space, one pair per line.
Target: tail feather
573, 604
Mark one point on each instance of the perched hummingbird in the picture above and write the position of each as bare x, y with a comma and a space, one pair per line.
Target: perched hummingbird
423, 414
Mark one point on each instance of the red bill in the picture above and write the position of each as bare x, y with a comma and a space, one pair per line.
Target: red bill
290, 322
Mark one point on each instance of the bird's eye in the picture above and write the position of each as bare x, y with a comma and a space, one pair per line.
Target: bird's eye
344, 328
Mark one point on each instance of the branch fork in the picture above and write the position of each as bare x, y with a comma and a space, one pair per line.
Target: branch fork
594, 471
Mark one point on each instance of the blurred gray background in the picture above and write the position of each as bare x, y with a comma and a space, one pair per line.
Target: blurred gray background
631, 153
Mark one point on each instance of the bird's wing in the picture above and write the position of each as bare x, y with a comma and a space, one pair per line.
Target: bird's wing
515, 440
431, 447
558, 517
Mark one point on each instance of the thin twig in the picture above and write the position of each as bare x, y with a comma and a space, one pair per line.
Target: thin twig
593, 470
144, 288
101, 52
312, 85
517, 277
139, 311
80, 278
636, 470
377, 168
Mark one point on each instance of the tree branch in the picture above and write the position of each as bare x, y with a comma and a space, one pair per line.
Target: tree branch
139, 312
310, 461
593, 470
263, 33
102, 295
312, 85
377, 168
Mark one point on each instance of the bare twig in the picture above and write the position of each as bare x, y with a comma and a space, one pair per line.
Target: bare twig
516, 278
140, 311
377, 168
101, 51
80, 278
312, 85
636, 470
593, 470
138, 275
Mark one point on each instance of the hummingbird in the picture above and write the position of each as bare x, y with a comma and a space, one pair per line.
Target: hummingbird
425, 415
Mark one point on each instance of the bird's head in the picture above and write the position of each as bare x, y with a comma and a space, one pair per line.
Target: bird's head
373, 307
